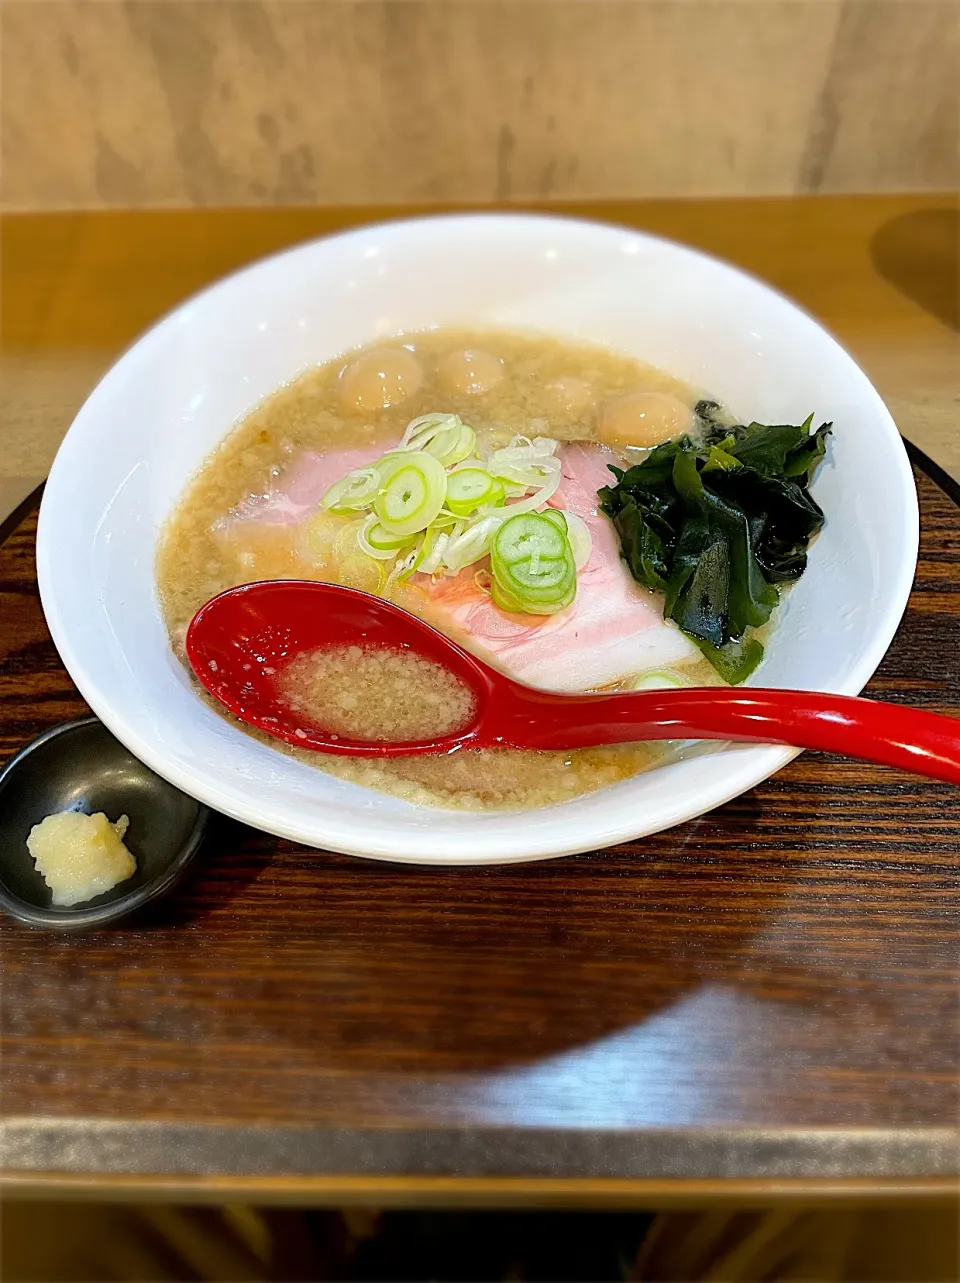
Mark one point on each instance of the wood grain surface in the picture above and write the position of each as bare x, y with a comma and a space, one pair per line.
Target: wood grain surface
736, 997
256, 102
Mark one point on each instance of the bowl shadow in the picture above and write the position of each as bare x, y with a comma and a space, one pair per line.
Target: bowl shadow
919, 254
362, 966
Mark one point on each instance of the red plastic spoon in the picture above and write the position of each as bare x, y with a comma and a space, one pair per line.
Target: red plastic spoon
239, 642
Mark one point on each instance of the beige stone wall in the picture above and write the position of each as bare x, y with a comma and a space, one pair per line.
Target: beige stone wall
199, 102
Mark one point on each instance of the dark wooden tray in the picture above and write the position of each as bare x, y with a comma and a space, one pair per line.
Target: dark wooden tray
765, 993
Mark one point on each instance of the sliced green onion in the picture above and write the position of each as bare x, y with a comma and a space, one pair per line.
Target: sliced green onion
442, 443
445, 436
378, 542
655, 681
454, 445
523, 537
544, 445
534, 501
346, 543
521, 604
537, 576
360, 571
523, 448
468, 488
388, 464
470, 545
532, 564
407, 564
319, 533
525, 462
581, 540
506, 600
412, 494
357, 489
382, 539
437, 508
577, 532
425, 428
499, 496
445, 519
530, 473
433, 547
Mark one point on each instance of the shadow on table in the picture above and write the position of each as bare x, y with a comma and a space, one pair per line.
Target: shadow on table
294, 968
725, 969
369, 965
919, 254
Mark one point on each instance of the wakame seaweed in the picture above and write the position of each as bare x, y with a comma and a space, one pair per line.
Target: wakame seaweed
717, 525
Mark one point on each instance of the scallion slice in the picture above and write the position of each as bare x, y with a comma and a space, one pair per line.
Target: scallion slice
470, 487
346, 542
534, 501
445, 436
532, 564
499, 495
412, 494
318, 535
581, 540
468, 546
360, 571
453, 445
434, 543
423, 430
654, 681
378, 542
406, 564
437, 508
356, 490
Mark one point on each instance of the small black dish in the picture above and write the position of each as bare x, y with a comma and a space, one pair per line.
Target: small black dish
80, 766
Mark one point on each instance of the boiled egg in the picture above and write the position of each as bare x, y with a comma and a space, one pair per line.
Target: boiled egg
643, 420
470, 372
569, 394
380, 379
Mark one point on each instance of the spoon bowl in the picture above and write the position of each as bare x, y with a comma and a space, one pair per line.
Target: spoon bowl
240, 641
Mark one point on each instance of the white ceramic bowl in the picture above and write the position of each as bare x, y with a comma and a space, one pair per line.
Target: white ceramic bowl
156, 415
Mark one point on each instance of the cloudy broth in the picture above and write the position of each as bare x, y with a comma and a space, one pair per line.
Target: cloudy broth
502, 384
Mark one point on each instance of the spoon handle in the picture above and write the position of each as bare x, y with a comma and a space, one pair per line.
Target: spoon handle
924, 743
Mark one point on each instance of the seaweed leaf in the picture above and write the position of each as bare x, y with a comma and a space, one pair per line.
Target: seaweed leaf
717, 525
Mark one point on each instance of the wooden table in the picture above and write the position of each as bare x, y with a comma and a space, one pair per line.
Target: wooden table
759, 1003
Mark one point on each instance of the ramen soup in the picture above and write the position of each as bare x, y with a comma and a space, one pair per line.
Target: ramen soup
376, 692
456, 474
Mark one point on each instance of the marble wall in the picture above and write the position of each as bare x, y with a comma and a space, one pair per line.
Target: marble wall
223, 102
